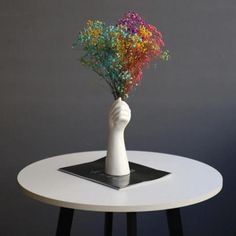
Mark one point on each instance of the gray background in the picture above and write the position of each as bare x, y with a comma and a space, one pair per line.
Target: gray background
51, 105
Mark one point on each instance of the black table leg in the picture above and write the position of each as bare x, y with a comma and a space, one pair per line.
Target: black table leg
64, 222
131, 224
174, 222
108, 224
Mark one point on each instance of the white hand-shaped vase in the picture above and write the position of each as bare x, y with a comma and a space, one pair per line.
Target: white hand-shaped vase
116, 161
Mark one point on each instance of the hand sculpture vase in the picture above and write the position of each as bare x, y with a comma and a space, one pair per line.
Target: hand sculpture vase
116, 161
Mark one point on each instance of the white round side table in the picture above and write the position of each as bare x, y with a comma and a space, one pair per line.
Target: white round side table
190, 182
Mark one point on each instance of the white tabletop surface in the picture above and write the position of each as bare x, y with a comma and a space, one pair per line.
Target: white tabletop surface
190, 182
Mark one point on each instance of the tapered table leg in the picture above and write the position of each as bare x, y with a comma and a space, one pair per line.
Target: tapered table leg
64, 222
174, 222
131, 224
108, 224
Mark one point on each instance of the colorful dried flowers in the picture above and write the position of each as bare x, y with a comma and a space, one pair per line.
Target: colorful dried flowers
119, 52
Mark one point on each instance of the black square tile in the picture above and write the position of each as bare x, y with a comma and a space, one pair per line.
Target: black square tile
95, 171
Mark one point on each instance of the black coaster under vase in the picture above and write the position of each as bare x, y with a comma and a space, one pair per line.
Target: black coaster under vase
95, 171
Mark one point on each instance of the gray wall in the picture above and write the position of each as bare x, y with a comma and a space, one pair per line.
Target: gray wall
48, 100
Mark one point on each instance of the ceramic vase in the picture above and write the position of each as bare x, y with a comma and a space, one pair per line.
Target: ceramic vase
116, 160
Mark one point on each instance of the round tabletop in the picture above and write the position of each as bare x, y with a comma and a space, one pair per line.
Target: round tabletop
190, 182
